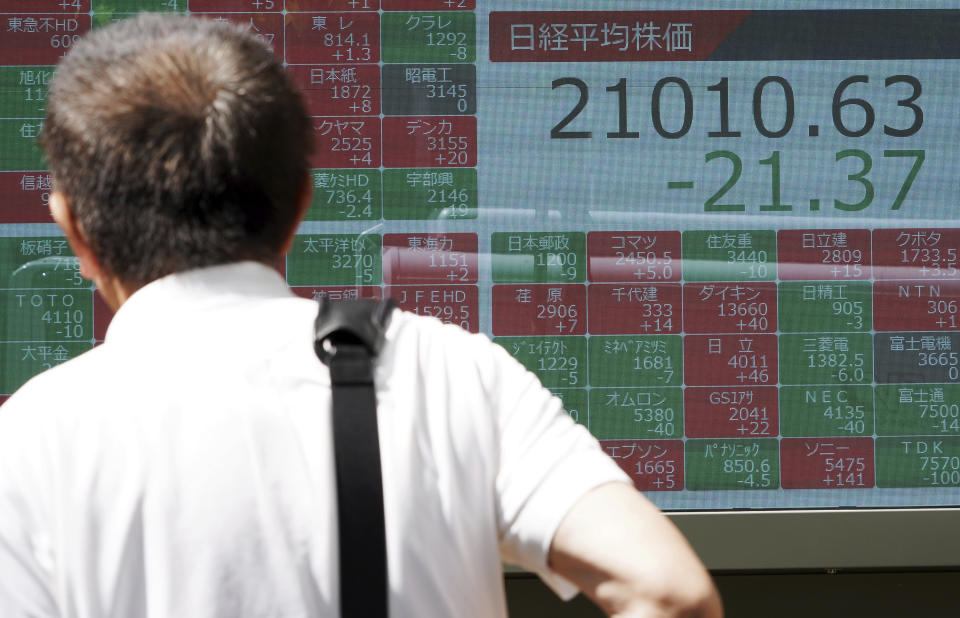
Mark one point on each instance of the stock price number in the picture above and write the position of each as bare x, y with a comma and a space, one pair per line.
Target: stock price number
849, 367
660, 422
842, 102
853, 116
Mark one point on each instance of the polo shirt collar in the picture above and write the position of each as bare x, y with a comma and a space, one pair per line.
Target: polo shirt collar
194, 291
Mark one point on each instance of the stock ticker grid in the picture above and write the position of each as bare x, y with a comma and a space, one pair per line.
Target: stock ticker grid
725, 239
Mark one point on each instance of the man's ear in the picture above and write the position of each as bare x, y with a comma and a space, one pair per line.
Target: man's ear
63, 215
304, 195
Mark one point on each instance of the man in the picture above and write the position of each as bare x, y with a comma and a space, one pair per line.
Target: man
184, 467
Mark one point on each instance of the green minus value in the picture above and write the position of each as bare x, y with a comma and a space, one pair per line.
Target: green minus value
680, 184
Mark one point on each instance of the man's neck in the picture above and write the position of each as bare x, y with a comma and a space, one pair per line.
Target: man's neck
114, 291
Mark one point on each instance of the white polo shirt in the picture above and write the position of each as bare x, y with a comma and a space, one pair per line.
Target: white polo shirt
185, 468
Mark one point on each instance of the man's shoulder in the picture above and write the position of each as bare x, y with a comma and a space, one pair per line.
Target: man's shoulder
423, 350
429, 337
48, 412
405, 323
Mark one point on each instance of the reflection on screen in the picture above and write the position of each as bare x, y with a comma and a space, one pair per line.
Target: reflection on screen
725, 239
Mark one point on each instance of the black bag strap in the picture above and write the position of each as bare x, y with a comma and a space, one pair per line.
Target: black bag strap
349, 335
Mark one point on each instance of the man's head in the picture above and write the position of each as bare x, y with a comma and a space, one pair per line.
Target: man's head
176, 143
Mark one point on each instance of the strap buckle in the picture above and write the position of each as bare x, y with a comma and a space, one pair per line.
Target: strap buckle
361, 322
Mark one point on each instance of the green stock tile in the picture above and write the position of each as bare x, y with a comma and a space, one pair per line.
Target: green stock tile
730, 255
20, 150
345, 195
106, 7
46, 315
335, 259
21, 361
636, 413
826, 358
823, 306
559, 362
918, 462
732, 464
444, 36
918, 409
636, 360
44, 262
411, 194
539, 257
813, 411
23, 91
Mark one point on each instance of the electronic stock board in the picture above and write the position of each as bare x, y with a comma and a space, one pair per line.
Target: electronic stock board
727, 239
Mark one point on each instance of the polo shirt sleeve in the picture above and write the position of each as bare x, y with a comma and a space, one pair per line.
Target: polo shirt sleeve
547, 462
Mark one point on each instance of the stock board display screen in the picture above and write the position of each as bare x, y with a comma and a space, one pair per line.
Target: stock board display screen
725, 238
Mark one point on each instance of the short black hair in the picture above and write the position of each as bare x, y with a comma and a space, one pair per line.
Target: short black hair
179, 142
